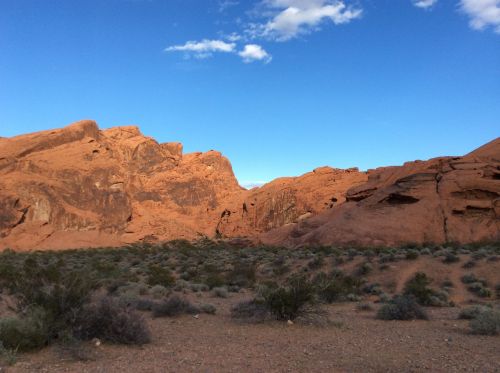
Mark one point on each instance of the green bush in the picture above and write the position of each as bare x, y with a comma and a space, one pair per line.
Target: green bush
110, 321
402, 307
251, 311
336, 286
479, 289
450, 257
220, 292
215, 280
160, 276
418, 288
288, 302
486, 323
242, 275
471, 312
174, 306
208, 308
27, 333
412, 254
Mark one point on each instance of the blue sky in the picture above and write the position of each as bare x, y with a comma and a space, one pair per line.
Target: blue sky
278, 86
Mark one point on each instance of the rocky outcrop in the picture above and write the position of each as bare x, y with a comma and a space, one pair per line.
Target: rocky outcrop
80, 186
441, 200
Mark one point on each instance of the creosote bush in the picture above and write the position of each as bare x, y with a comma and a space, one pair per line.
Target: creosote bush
252, 311
27, 333
418, 288
336, 286
160, 276
174, 306
486, 322
402, 307
112, 322
289, 301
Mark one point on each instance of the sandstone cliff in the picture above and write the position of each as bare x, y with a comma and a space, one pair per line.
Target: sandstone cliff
80, 186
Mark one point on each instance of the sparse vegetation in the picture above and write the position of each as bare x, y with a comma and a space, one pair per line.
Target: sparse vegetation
290, 301
54, 293
402, 307
486, 322
174, 306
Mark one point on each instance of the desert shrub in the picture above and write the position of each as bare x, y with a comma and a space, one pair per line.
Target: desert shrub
471, 312
479, 254
447, 284
316, 263
469, 264
287, 302
112, 322
373, 289
386, 258
215, 280
336, 286
384, 298
486, 323
160, 276
425, 251
418, 288
402, 307
208, 308
450, 257
174, 306
27, 333
68, 346
242, 275
497, 290
364, 269
364, 307
198, 287
143, 304
412, 254
252, 311
158, 291
220, 292
8, 355
469, 278
479, 289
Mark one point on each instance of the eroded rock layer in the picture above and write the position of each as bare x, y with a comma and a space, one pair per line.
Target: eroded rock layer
449, 199
80, 186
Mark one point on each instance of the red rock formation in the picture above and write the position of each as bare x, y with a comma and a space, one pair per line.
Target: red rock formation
440, 200
82, 187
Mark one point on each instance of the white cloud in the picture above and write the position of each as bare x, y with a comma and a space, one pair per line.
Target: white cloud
225, 4
204, 48
424, 3
295, 17
254, 52
482, 13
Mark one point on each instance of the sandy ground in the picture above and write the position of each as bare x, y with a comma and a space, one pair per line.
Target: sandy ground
216, 343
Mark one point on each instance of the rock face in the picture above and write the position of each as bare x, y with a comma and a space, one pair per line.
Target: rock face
83, 187
441, 200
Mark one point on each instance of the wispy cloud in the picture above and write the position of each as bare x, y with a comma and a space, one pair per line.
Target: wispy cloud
254, 52
277, 20
291, 18
424, 4
204, 48
226, 4
482, 13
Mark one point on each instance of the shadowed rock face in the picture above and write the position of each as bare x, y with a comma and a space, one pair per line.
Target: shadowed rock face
83, 187
441, 200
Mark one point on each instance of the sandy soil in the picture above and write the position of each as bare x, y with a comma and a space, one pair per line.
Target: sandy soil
219, 344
